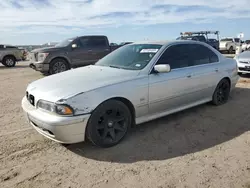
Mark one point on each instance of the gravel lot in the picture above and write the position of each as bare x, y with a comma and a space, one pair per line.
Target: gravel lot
205, 146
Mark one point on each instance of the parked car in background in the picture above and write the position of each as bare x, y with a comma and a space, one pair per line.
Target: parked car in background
124, 43
9, 55
136, 83
243, 62
113, 44
71, 53
201, 36
229, 44
246, 45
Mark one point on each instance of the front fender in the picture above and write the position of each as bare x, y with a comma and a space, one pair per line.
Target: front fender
135, 91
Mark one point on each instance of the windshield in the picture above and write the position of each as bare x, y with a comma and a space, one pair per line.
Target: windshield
227, 40
132, 57
247, 41
65, 42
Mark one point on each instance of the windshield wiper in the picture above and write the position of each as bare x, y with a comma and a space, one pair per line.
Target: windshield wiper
112, 66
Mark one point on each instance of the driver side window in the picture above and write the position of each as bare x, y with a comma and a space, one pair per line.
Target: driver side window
176, 56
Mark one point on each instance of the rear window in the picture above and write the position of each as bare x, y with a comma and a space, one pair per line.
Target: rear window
93, 42
236, 39
227, 40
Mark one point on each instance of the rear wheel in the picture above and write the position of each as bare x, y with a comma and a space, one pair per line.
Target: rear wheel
58, 65
9, 61
221, 93
109, 123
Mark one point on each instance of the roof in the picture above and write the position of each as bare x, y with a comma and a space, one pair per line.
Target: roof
161, 42
165, 42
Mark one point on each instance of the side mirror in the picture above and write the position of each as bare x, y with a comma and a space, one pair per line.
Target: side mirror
165, 68
74, 46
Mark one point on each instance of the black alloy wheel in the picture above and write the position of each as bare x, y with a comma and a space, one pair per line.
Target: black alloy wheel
221, 93
109, 123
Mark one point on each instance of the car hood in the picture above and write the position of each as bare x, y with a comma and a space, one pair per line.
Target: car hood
244, 56
72, 82
46, 49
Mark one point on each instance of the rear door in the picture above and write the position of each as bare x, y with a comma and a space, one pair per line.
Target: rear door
169, 91
205, 68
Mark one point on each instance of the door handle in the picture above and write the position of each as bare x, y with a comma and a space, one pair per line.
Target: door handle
189, 76
90, 50
216, 70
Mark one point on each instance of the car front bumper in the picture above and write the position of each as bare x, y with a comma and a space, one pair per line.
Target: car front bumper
66, 130
40, 66
243, 67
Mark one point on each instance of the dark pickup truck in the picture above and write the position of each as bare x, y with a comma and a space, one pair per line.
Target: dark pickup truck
70, 53
201, 36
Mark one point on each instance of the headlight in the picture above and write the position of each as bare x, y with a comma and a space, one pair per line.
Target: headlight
42, 56
60, 109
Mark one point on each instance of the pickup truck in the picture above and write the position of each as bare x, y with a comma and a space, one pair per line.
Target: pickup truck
9, 55
70, 53
229, 44
201, 36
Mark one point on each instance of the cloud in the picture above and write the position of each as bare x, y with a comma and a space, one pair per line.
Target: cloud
53, 16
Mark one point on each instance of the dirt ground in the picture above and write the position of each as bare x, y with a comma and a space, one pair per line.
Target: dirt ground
205, 146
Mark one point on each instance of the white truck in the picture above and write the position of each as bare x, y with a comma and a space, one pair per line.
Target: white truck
229, 44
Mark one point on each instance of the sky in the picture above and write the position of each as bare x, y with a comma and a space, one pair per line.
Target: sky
40, 21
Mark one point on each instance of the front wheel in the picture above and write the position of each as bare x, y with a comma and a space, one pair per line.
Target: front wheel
221, 93
109, 123
58, 65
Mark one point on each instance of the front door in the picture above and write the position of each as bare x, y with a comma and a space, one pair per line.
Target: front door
80, 55
169, 91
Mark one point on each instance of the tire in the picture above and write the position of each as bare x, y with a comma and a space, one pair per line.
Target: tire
58, 65
221, 93
231, 50
9, 61
109, 123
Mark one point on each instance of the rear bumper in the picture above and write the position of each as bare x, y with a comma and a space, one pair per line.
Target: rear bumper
38, 66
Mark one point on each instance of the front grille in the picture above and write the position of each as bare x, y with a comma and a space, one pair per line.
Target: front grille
245, 62
30, 98
244, 69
